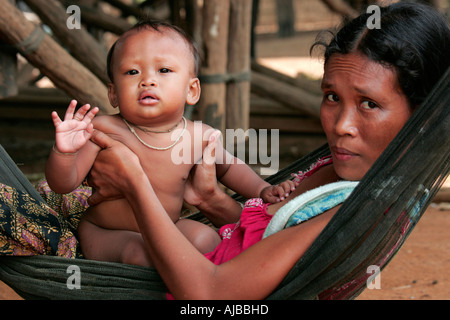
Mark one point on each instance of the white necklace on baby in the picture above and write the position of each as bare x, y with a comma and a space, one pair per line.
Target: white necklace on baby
153, 147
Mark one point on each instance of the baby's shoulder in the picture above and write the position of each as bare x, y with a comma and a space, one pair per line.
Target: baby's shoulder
199, 130
106, 123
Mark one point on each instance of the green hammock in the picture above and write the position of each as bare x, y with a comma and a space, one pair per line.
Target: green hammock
368, 229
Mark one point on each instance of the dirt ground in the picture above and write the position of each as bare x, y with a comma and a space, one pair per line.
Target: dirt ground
419, 271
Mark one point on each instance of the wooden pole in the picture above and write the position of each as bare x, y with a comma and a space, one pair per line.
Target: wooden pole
341, 7
194, 21
215, 39
238, 89
8, 71
310, 85
96, 18
286, 18
84, 47
127, 10
66, 73
291, 96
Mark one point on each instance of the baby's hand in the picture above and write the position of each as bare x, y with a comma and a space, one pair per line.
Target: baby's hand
76, 129
277, 193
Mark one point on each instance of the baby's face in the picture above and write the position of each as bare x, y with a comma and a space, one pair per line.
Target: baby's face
153, 76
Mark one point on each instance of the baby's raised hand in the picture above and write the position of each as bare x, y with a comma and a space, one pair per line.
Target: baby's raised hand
277, 193
76, 129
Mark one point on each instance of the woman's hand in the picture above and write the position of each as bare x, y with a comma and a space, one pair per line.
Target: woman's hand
202, 181
113, 170
203, 192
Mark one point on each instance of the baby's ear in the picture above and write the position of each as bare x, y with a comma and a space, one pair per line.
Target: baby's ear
112, 96
194, 91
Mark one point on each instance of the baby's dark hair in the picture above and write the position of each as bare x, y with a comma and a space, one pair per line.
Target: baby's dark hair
157, 25
413, 38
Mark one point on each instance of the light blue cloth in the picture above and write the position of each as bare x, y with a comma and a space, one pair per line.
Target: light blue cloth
309, 205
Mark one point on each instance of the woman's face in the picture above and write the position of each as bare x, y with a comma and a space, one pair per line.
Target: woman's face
363, 108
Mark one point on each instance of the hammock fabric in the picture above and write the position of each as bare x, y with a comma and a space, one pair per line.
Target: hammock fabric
368, 229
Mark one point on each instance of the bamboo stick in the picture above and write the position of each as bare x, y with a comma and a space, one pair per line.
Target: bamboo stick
238, 92
83, 46
66, 73
291, 96
215, 38
8, 71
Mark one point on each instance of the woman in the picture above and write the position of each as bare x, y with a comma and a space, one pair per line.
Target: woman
373, 81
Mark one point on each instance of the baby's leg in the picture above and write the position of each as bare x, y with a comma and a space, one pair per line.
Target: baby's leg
112, 245
204, 238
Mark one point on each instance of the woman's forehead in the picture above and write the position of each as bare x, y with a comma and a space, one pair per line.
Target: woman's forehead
359, 70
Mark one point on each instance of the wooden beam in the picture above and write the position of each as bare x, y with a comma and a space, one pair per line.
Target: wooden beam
238, 90
341, 7
127, 10
8, 70
51, 59
291, 96
287, 124
212, 103
313, 86
95, 17
83, 46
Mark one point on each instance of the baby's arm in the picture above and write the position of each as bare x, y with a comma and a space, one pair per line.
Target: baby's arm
242, 179
239, 177
72, 155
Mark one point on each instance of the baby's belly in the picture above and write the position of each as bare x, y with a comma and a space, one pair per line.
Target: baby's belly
114, 214
118, 215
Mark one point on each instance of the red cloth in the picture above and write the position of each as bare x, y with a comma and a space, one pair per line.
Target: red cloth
237, 237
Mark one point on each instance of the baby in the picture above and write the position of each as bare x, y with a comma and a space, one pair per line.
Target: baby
153, 71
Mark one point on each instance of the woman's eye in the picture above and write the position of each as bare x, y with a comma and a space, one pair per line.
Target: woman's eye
332, 97
132, 72
369, 105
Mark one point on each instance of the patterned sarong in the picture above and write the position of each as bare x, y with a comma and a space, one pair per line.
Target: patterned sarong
29, 227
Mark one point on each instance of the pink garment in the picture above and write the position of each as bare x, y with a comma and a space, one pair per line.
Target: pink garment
237, 237
249, 230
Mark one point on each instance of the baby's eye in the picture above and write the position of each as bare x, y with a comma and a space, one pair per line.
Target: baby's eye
164, 70
332, 97
369, 105
132, 72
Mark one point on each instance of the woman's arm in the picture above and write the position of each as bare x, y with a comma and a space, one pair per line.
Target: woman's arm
187, 273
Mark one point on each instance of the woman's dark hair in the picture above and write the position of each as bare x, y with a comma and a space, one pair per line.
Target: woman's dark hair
157, 26
413, 38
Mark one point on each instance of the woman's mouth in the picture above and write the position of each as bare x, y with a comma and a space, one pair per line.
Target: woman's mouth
342, 154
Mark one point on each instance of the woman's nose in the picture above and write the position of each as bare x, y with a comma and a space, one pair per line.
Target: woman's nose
346, 121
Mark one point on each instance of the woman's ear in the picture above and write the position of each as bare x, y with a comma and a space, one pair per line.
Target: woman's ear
112, 95
194, 91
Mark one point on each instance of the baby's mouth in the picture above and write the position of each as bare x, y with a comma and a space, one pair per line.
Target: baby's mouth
147, 97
